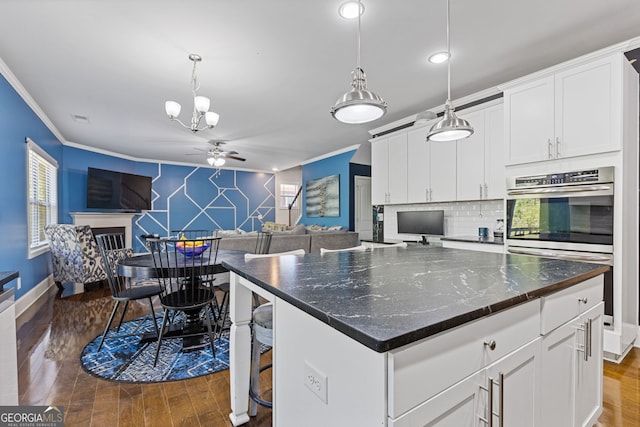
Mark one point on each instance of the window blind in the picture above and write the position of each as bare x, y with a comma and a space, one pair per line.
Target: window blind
42, 194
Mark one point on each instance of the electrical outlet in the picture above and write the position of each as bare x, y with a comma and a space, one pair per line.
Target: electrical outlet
19, 284
315, 381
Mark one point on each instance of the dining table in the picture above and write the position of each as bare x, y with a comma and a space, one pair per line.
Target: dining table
143, 266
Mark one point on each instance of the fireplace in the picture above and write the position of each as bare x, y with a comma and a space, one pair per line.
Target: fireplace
101, 222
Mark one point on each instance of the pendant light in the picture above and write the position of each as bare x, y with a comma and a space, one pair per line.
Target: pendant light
450, 127
359, 105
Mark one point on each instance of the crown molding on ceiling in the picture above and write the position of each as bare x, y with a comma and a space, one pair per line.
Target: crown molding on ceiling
331, 154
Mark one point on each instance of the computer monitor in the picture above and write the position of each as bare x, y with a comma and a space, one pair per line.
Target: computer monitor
423, 223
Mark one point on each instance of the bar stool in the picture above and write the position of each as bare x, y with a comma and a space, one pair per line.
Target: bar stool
262, 333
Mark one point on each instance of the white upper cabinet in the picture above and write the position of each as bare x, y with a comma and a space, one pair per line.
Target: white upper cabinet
481, 171
379, 171
431, 168
418, 179
389, 170
571, 113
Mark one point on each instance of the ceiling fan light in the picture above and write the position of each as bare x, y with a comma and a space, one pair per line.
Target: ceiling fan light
450, 127
202, 103
211, 160
172, 109
219, 161
211, 118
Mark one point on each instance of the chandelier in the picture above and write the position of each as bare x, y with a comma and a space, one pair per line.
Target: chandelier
200, 105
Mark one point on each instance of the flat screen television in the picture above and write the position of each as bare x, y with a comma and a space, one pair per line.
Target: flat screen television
120, 191
424, 223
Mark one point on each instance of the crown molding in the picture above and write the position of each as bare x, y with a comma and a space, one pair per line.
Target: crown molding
331, 154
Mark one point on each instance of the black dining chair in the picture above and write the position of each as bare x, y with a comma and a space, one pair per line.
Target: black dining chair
184, 268
123, 289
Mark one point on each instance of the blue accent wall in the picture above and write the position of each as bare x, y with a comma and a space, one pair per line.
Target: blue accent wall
336, 165
184, 196
18, 121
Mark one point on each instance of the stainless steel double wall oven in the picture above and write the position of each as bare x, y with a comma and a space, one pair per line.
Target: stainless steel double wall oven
564, 215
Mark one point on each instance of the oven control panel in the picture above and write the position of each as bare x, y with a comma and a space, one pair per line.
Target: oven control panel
579, 177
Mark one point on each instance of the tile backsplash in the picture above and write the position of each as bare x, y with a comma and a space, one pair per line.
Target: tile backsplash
460, 218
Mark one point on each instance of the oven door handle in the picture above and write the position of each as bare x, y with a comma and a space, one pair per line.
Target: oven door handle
581, 257
566, 189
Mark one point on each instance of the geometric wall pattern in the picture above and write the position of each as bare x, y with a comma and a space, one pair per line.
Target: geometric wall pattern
204, 199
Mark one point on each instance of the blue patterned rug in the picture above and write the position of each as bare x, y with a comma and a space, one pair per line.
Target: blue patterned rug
127, 360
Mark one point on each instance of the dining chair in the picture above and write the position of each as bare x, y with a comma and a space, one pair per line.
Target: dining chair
360, 248
183, 269
193, 234
112, 250
262, 334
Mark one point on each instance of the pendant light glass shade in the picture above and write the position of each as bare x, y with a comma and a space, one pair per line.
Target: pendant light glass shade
450, 127
359, 105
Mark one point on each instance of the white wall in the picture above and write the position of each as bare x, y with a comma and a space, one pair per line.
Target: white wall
460, 218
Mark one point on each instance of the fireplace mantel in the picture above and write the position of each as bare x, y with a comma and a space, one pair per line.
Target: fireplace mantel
107, 219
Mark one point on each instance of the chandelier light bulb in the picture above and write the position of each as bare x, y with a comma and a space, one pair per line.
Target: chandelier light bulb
172, 109
202, 103
351, 9
211, 118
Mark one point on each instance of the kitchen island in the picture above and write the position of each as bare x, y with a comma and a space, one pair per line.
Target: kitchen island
401, 336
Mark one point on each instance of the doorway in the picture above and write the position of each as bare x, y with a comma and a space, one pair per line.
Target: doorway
363, 218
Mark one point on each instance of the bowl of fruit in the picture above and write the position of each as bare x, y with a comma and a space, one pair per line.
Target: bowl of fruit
190, 248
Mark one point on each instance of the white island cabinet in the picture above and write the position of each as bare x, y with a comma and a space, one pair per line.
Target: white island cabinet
347, 353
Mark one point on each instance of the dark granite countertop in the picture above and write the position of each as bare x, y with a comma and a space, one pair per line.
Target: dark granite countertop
6, 277
389, 297
474, 239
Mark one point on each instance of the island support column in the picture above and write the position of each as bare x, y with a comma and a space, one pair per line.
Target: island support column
239, 350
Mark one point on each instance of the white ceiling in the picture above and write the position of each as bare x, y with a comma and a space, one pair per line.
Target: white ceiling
274, 68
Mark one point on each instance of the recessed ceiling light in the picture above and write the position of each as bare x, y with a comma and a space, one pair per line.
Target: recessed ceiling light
349, 10
274, 169
439, 57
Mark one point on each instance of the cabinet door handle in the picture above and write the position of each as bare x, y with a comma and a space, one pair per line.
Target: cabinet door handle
557, 147
583, 300
426, 195
481, 191
501, 400
590, 325
486, 191
585, 346
549, 155
491, 344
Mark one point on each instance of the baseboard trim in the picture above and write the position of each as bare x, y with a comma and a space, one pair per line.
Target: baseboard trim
25, 301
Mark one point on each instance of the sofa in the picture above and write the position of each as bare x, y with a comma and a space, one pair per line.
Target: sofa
298, 238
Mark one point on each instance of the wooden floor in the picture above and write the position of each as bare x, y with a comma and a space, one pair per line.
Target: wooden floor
52, 333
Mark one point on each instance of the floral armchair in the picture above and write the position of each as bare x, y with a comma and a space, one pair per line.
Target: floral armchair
74, 254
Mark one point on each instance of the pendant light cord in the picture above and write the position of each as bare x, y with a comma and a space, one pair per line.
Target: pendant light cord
359, 14
449, 59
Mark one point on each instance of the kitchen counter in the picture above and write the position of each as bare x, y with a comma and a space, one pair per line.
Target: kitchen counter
387, 298
474, 239
372, 337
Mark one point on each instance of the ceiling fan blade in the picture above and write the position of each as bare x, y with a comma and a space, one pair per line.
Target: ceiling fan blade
226, 153
235, 158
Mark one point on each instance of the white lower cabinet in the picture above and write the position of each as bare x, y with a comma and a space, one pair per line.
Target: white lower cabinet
524, 375
574, 348
506, 391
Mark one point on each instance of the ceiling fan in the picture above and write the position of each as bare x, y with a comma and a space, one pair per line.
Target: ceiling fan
216, 156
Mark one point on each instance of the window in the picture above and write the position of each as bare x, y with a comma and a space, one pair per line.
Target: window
42, 196
287, 193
